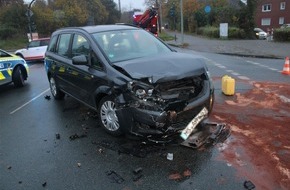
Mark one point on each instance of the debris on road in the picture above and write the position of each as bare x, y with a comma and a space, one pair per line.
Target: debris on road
57, 136
186, 173
76, 136
9, 167
249, 185
208, 134
138, 170
137, 174
79, 164
101, 150
115, 177
137, 177
170, 156
47, 97
44, 184
176, 176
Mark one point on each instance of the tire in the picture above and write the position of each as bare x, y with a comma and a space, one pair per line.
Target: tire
56, 93
17, 77
108, 117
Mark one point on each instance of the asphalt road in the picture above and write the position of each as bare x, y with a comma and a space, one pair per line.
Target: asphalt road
48, 144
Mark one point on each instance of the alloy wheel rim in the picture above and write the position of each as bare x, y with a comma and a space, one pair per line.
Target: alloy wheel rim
109, 117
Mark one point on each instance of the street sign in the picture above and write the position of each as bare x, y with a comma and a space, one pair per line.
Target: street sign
207, 9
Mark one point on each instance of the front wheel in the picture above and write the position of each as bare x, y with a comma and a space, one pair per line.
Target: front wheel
56, 93
108, 116
17, 77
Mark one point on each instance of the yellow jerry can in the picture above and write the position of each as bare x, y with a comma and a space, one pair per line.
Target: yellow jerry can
228, 85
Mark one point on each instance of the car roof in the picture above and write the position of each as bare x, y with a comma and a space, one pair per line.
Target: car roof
100, 28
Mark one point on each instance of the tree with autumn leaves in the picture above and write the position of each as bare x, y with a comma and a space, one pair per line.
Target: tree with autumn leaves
233, 12
49, 15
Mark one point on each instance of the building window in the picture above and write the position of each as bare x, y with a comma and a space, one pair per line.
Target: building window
281, 20
282, 6
266, 8
266, 22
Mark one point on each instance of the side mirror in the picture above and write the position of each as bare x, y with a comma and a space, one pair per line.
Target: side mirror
80, 60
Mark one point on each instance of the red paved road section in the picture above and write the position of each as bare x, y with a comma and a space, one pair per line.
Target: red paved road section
259, 147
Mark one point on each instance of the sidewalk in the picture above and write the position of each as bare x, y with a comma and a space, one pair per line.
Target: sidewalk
252, 48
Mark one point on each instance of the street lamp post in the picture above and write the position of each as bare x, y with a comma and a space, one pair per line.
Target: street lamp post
29, 18
181, 20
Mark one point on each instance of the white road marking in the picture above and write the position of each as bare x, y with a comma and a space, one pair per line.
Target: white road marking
243, 78
17, 109
236, 74
255, 63
259, 64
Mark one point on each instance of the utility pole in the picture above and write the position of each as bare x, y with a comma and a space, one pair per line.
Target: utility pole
29, 15
181, 20
160, 11
158, 5
120, 6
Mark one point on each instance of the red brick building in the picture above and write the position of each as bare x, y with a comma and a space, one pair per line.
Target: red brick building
272, 13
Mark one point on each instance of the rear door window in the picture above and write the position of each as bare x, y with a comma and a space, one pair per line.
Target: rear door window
63, 45
52, 44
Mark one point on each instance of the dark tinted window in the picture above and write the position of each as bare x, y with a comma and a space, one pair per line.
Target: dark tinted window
52, 44
80, 46
63, 44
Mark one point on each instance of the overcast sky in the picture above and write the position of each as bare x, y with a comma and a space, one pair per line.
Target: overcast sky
131, 4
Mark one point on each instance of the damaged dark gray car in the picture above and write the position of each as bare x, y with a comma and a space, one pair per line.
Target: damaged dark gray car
136, 82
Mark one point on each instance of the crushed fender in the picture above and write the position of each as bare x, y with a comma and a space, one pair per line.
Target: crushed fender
207, 134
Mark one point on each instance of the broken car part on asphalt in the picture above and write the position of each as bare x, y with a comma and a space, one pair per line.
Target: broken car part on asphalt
116, 178
209, 133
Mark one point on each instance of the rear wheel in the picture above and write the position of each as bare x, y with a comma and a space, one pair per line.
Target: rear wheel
56, 93
17, 77
108, 116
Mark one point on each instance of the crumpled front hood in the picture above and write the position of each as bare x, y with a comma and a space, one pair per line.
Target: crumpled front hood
165, 67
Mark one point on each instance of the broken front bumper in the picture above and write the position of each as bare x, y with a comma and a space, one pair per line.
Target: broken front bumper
145, 122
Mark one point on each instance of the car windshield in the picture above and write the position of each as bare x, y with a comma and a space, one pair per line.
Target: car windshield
258, 30
4, 54
37, 43
124, 45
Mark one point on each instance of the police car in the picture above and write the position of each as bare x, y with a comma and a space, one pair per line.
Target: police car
12, 69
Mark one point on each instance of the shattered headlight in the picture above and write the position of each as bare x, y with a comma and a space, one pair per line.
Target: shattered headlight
140, 90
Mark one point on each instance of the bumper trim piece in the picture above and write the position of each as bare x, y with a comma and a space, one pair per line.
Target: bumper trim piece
210, 133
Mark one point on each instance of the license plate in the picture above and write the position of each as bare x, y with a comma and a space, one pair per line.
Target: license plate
193, 123
1, 65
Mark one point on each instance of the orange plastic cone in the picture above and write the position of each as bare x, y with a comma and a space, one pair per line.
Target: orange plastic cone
286, 68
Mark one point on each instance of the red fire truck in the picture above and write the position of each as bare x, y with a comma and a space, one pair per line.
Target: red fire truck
147, 20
